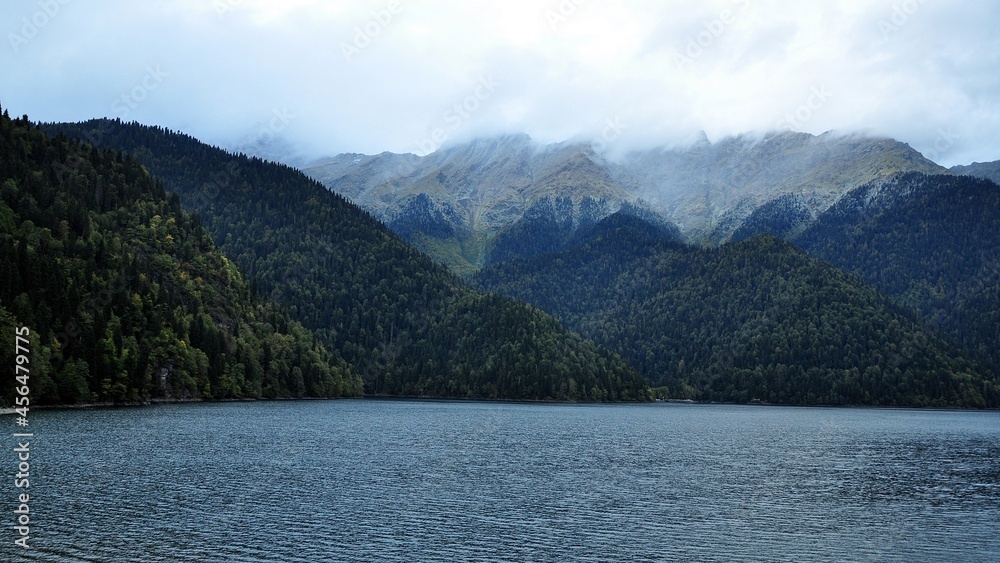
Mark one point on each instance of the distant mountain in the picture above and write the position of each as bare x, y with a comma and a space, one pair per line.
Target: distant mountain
267, 146
708, 190
987, 170
544, 227
408, 326
931, 242
125, 296
481, 187
548, 226
751, 321
784, 216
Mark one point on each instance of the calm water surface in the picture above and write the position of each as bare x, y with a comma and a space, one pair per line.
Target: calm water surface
393, 480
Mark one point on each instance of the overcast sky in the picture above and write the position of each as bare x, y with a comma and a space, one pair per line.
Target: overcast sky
406, 76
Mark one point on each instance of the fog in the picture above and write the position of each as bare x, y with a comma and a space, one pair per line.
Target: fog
319, 78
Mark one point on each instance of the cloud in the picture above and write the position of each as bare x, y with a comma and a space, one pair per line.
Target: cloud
388, 74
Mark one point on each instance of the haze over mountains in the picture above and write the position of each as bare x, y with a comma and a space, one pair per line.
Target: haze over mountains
605, 245
596, 277
406, 325
469, 192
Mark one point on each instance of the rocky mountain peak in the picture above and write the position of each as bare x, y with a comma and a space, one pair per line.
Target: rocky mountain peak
708, 189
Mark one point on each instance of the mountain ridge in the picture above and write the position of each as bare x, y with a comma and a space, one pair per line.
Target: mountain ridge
756, 320
930, 242
407, 325
126, 297
706, 189
987, 170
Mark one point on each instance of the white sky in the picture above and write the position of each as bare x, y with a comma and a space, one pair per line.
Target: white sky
926, 72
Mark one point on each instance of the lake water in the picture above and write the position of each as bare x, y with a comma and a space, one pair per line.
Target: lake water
364, 480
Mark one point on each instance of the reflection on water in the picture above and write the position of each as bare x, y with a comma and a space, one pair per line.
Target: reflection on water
394, 480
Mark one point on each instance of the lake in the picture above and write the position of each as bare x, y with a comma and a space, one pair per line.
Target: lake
363, 480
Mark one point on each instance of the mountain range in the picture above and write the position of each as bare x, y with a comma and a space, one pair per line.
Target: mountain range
985, 170
757, 320
783, 268
126, 298
472, 192
535, 222
405, 325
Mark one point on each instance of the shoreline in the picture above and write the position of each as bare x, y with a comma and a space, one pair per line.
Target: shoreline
430, 399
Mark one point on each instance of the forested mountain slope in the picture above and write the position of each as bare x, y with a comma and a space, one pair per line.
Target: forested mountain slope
404, 322
126, 297
755, 320
550, 226
931, 242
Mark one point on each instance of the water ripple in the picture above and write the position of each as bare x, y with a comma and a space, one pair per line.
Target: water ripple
405, 481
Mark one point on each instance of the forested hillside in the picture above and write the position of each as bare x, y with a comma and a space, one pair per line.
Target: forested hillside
783, 217
932, 243
755, 320
126, 297
548, 226
404, 322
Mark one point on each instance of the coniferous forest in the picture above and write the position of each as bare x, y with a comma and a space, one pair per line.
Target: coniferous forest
149, 265
405, 325
930, 242
126, 296
751, 321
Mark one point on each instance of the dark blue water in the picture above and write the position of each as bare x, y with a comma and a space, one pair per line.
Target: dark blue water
386, 480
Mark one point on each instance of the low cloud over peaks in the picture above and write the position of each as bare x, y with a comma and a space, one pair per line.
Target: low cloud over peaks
410, 76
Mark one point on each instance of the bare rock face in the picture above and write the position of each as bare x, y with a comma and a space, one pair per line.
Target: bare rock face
707, 189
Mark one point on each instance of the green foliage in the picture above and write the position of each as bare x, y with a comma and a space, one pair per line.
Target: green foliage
930, 242
751, 321
549, 226
405, 323
543, 228
784, 216
126, 296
